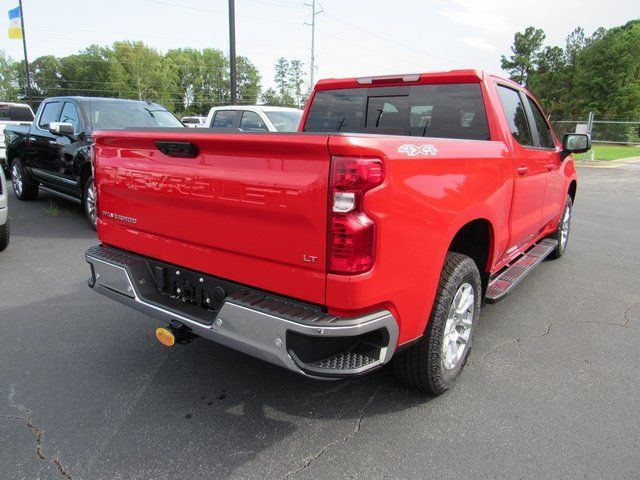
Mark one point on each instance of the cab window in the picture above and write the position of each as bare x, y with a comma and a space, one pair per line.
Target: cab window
251, 122
515, 114
49, 114
544, 132
70, 115
224, 119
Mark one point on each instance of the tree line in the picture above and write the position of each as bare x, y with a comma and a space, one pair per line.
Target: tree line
186, 80
597, 73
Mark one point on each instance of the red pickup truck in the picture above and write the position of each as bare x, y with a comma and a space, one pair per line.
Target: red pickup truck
376, 231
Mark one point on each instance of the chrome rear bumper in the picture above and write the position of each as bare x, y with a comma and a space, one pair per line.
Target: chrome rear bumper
289, 334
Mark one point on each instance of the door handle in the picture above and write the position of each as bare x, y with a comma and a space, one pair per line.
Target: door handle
53, 142
550, 166
523, 170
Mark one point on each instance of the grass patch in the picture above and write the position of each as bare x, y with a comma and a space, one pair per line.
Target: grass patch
607, 151
53, 210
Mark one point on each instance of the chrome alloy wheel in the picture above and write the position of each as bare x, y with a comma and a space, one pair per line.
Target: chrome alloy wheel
566, 226
457, 330
90, 203
16, 179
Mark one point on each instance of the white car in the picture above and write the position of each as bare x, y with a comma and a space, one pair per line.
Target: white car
4, 212
194, 122
255, 118
12, 114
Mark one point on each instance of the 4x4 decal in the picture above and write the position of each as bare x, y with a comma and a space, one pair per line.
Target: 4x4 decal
414, 150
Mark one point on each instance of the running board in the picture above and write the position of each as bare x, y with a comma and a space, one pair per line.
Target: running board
506, 281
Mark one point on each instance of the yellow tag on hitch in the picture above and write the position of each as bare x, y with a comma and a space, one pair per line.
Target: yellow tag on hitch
165, 337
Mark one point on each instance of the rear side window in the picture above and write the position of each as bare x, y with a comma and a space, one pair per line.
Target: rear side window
49, 114
16, 113
544, 132
224, 119
251, 122
444, 111
515, 114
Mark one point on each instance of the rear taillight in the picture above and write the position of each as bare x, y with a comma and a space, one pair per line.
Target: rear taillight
351, 242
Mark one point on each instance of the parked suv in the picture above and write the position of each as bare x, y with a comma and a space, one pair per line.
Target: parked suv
248, 118
53, 153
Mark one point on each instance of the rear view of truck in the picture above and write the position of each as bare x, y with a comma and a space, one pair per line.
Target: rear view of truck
230, 239
376, 231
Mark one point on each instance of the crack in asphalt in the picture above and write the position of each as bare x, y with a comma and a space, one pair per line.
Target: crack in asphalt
344, 439
626, 324
37, 432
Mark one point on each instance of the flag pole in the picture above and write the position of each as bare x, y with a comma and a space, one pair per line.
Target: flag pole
232, 52
26, 59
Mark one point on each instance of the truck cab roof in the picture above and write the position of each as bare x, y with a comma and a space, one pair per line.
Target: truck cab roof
451, 76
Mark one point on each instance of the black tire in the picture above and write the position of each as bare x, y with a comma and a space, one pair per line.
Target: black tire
561, 247
4, 236
422, 366
24, 186
89, 203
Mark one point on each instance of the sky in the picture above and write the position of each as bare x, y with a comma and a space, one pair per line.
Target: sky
353, 37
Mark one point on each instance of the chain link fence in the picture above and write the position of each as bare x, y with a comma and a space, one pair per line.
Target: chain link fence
602, 130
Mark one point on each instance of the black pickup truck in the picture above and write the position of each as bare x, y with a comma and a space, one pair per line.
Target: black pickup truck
53, 153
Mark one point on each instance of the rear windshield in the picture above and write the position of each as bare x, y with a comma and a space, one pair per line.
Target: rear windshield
16, 113
114, 115
444, 111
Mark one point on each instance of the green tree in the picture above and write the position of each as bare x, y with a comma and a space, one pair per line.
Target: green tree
215, 83
524, 53
270, 97
551, 80
248, 84
8, 77
290, 80
137, 71
45, 76
188, 67
607, 74
87, 72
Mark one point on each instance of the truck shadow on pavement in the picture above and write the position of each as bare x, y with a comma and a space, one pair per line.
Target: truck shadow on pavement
113, 403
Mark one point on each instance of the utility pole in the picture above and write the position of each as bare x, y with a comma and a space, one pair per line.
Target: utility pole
26, 59
232, 51
314, 13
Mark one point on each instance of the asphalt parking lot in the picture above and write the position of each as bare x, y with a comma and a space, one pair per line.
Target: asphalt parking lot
551, 390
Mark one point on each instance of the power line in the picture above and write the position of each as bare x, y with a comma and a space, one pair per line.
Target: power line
391, 40
218, 12
314, 14
278, 3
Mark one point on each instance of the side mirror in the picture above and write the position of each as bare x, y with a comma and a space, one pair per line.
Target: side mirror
575, 143
61, 128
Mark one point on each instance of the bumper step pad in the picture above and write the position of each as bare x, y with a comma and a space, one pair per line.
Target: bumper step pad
345, 361
506, 281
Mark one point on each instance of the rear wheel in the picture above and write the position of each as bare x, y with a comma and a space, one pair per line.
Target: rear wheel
561, 235
24, 186
89, 202
432, 364
4, 236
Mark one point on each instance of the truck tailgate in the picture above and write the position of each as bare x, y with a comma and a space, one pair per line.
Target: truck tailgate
251, 208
